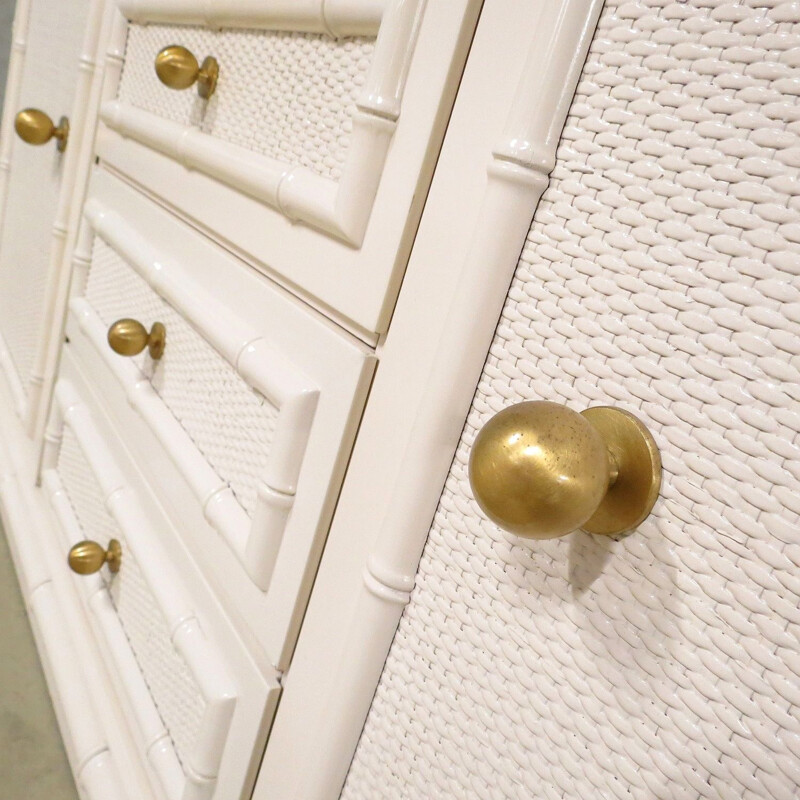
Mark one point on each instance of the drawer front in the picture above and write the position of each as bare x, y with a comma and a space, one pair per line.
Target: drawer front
181, 689
325, 116
96, 769
659, 275
172, 685
254, 401
146, 638
231, 425
288, 96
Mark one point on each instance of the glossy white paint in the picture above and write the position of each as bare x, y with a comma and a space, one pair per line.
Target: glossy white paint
334, 17
76, 160
92, 726
176, 606
84, 732
316, 376
158, 749
12, 379
339, 207
239, 699
237, 339
295, 359
263, 368
492, 172
100, 780
490, 177
214, 496
104, 64
371, 213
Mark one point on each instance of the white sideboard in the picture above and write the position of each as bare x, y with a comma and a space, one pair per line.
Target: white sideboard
303, 600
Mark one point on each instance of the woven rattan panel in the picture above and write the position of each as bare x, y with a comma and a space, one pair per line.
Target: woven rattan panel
172, 686
48, 82
660, 276
230, 424
290, 96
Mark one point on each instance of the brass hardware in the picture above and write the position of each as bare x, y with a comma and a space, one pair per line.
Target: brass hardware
540, 470
35, 127
177, 68
88, 557
128, 337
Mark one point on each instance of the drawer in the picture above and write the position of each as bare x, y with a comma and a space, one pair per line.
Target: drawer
75, 694
195, 705
282, 96
314, 152
255, 400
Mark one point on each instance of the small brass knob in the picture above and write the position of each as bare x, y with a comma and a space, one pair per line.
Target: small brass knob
177, 68
35, 127
88, 557
129, 337
540, 470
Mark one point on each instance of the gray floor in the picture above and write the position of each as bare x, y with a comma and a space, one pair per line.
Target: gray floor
33, 765
6, 20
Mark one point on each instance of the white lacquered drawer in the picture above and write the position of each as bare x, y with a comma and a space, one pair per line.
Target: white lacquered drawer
232, 427
313, 154
194, 703
288, 97
254, 402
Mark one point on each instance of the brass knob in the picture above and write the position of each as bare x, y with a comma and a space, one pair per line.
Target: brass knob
35, 127
540, 470
177, 68
88, 557
129, 337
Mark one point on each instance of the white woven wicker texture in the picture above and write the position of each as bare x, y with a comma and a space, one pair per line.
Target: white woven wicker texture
172, 686
48, 82
659, 276
290, 96
231, 425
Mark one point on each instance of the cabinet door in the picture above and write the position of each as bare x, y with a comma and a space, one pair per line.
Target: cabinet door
51, 69
658, 275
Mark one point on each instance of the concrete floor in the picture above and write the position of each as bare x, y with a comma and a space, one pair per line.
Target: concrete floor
33, 764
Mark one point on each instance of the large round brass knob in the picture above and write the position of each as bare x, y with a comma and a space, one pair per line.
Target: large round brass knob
540, 470
129, 337
35, 127
177, 68
88, 557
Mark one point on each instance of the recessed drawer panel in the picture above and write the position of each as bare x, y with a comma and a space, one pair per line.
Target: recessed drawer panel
327, 114
176, 694
285, 95
176, 685
230, 423
254, 401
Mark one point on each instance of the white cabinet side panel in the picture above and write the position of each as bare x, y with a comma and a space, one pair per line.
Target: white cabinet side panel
659, 276
50, 74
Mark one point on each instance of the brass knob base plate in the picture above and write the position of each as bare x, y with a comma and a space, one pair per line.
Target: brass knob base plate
633, 494
207, 77
62, 134
157, 341
114, 555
